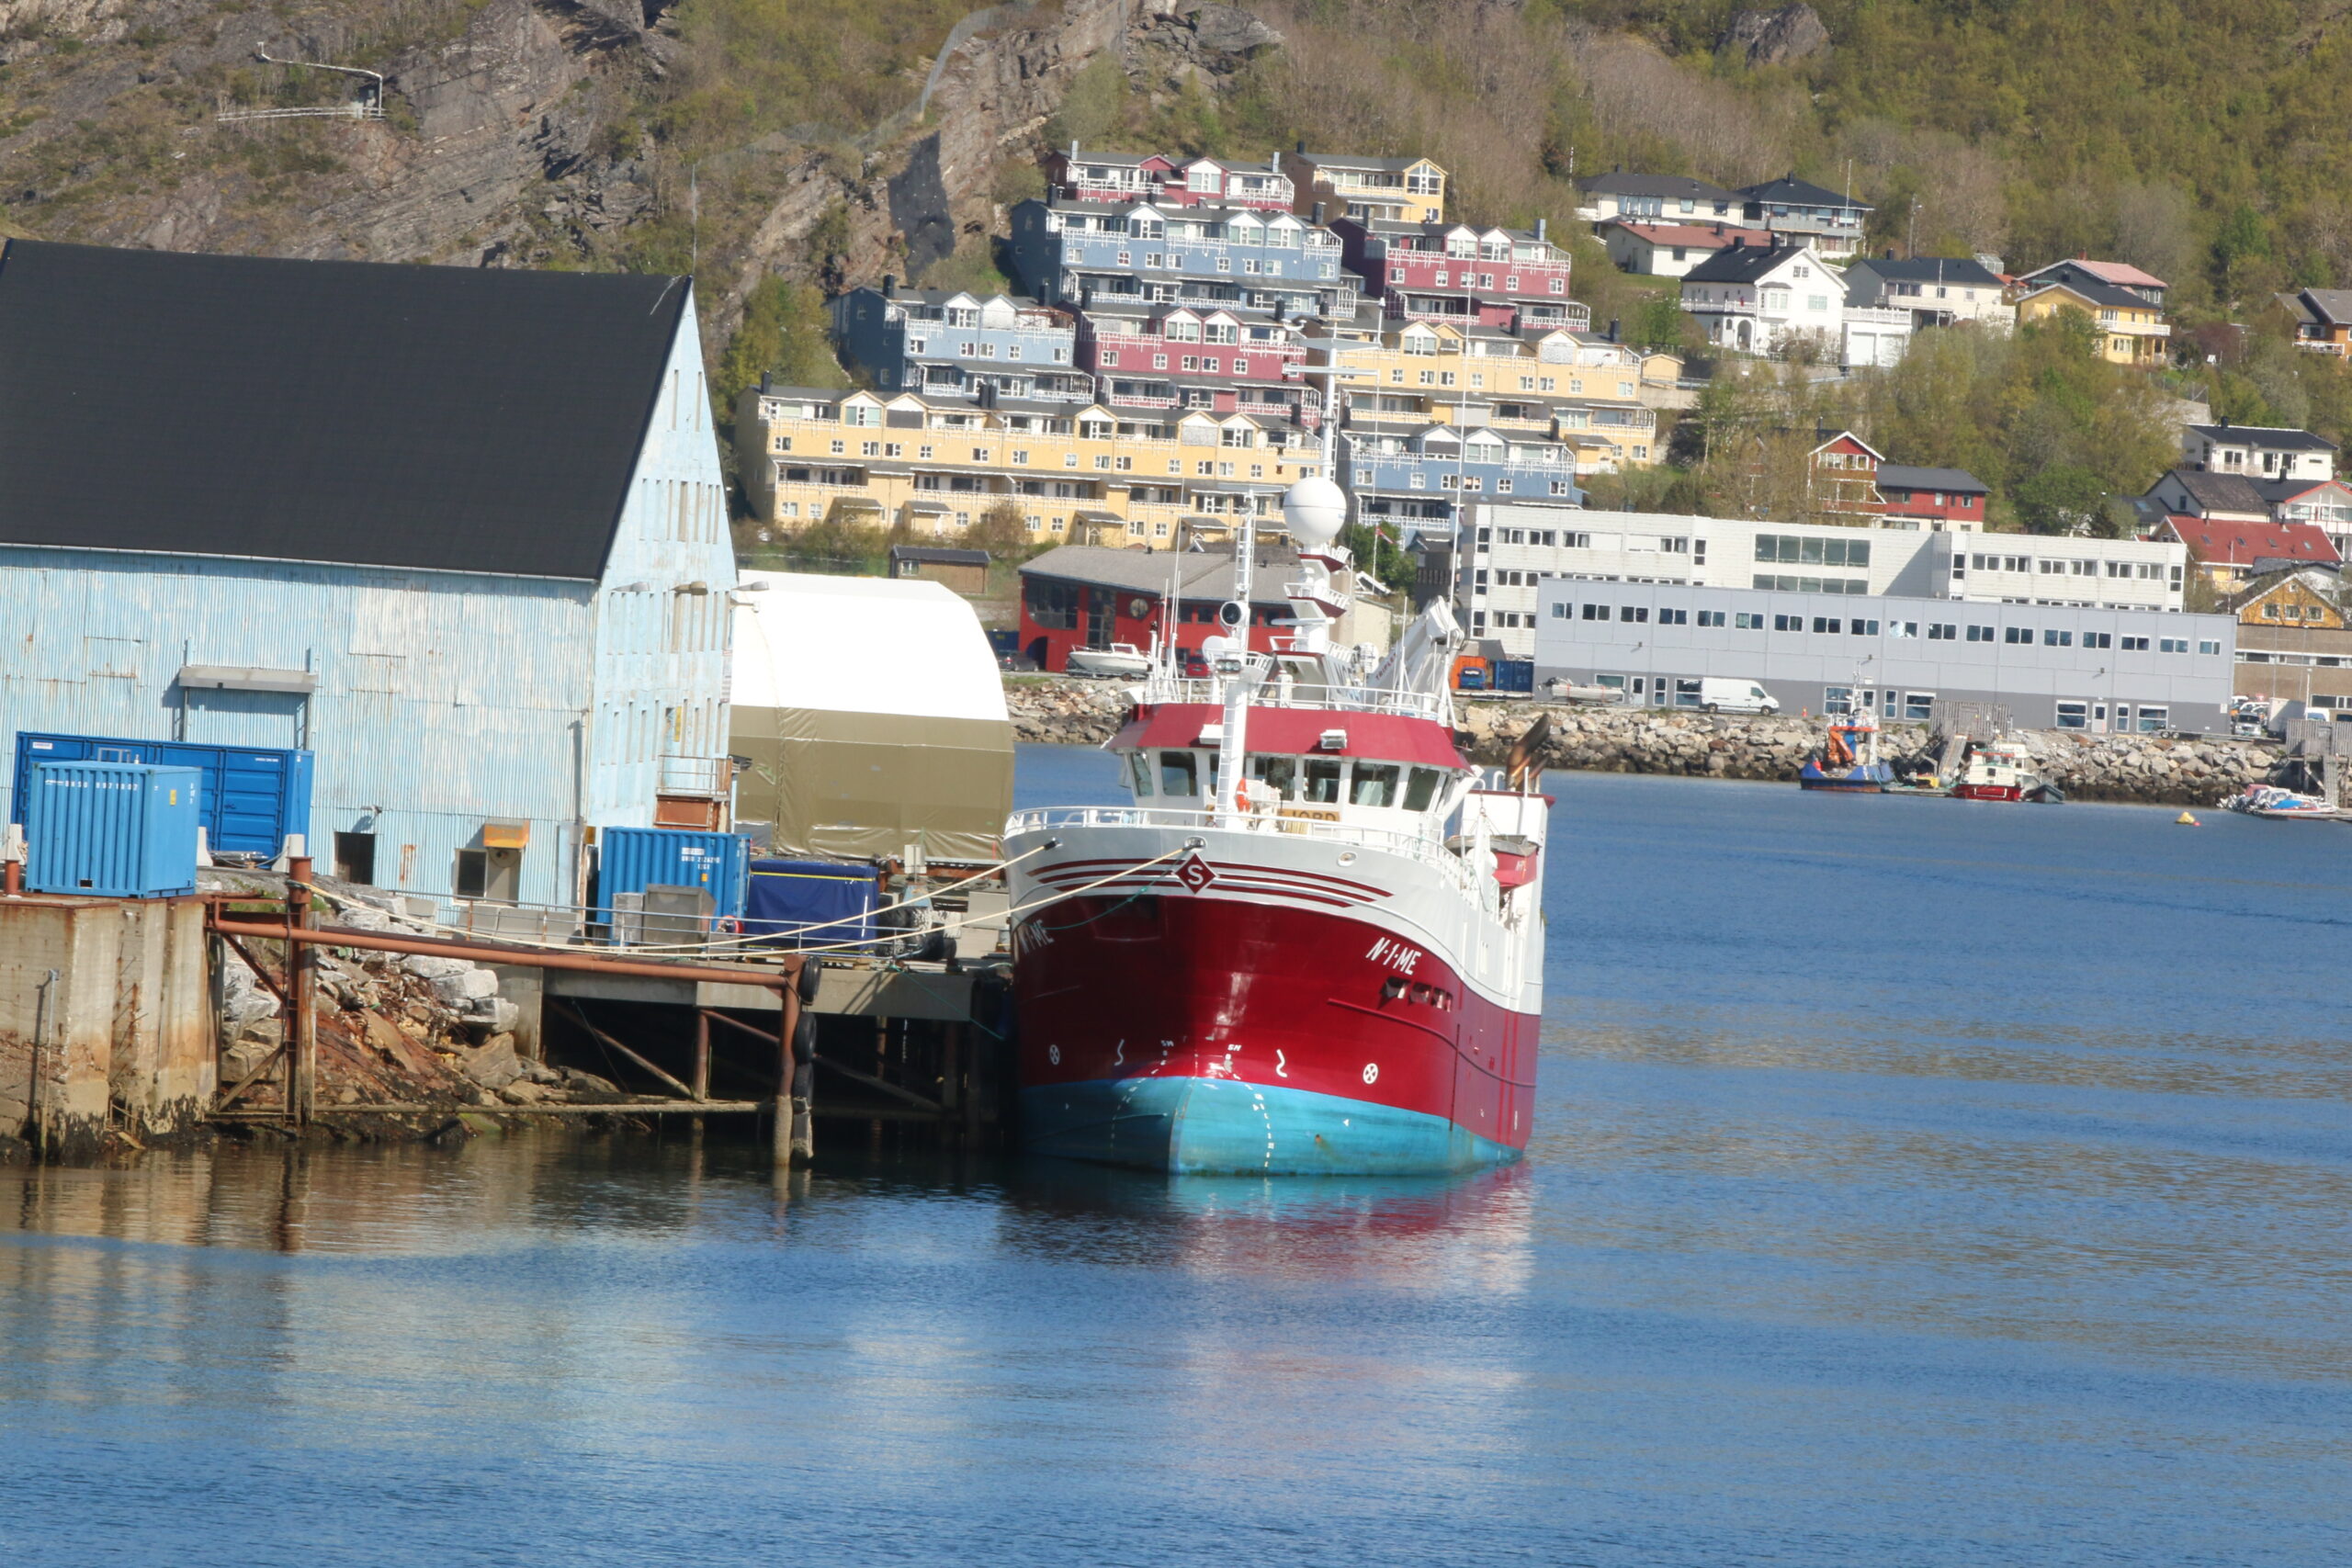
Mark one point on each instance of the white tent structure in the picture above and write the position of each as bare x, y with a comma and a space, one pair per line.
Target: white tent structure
873, 715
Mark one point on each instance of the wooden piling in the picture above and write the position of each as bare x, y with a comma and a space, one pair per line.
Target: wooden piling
302, 1070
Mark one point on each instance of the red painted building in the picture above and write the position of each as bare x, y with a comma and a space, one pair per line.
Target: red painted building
1500, 278
1093, 596
1159, 357
1935, 498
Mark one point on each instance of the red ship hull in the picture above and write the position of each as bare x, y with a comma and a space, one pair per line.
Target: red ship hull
1211, 1033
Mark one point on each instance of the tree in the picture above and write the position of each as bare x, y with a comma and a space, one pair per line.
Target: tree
2066, 498
1002, 530
1379, 556
1096, 105
782, 334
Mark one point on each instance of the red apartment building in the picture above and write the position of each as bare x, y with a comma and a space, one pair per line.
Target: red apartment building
1499, 277
1161, 356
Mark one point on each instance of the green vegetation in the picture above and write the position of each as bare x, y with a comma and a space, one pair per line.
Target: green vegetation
783, 334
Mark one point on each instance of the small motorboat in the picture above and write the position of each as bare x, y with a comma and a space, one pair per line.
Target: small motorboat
2002, 771
1118, 660
1849, 761
2283, 805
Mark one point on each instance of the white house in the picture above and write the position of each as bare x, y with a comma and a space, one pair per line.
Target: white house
1670, 250
1938, 291
1759, 299
2258, 452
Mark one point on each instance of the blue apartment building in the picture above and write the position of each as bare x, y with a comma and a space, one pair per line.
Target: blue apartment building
948, 342
1423, 475
1073, 254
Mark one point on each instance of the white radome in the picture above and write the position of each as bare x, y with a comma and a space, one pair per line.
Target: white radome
1313, 512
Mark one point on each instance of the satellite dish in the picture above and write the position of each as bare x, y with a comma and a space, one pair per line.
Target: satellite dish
1314, 509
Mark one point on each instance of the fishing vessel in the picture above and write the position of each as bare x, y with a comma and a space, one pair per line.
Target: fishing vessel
1312, 941
1847, 761
2002, 770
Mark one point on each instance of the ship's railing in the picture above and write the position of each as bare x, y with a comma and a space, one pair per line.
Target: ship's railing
1420, 847
1407, 704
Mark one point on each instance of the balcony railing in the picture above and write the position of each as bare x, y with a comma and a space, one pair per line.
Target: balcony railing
1423, 848
709, 777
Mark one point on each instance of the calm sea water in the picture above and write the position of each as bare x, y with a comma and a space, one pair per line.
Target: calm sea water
1914, 1183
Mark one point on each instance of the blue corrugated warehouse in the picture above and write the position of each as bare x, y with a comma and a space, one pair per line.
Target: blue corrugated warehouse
459, 532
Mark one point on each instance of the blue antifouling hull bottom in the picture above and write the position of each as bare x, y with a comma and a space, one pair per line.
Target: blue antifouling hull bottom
1224, 1125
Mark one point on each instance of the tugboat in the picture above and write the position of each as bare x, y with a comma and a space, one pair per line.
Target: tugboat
1314, 941
2002, 771
1849, 760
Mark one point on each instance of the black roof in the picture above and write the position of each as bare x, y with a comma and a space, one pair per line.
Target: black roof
454, 418
2270, 438
1800, 193
1932, 269
1903, 476
1740, 264
931, 555
1619, 183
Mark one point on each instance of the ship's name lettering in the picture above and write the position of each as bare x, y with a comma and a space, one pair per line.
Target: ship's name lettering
1395, 954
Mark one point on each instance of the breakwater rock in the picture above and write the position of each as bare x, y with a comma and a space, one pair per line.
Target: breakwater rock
2145, 768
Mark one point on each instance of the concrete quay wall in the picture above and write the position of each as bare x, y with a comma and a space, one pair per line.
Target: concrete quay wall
2141, 769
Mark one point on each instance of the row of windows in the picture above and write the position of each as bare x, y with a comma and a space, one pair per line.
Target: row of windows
2049, 566
1313, 781
1800, 551
1770, 584
1859, 625
980, 349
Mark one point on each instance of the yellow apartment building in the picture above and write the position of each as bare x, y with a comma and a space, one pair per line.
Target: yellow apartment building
1583, 391
1079, 475
1396, 190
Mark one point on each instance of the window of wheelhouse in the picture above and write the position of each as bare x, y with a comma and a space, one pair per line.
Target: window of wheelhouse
1323, 780
1374, 784
1278, 774
1140, 771
1420, 790
1177, 776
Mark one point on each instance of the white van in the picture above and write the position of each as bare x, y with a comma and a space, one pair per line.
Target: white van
1726, 695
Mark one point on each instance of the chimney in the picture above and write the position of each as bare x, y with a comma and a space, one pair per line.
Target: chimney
1274, 160
1302, 146
1073, 147
1316, 216
889, 286
1890, 253
1613, 330
1542, 226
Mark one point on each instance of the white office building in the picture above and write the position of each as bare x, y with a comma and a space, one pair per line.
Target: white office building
2050, 666
1514, 550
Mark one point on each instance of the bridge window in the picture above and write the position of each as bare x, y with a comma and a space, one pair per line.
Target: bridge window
1423, 790
1176, 773
1323, 780
1374, 784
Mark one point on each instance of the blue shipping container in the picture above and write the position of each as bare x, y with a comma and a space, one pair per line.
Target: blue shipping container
1514, 674
254, 797
790, 896
113, 829
631, 859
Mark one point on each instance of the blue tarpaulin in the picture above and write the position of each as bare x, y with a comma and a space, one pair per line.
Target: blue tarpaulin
811, 903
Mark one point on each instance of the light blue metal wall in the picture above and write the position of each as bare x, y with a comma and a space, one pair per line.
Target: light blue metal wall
443, 699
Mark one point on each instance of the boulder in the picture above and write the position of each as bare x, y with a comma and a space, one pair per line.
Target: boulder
523, 1091
425, 967
1775, 37
493, 1065
467, 985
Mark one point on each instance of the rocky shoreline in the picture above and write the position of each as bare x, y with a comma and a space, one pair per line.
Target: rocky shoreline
2134, 768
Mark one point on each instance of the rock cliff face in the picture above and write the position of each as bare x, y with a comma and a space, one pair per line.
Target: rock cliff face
513, 135
2141, 769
